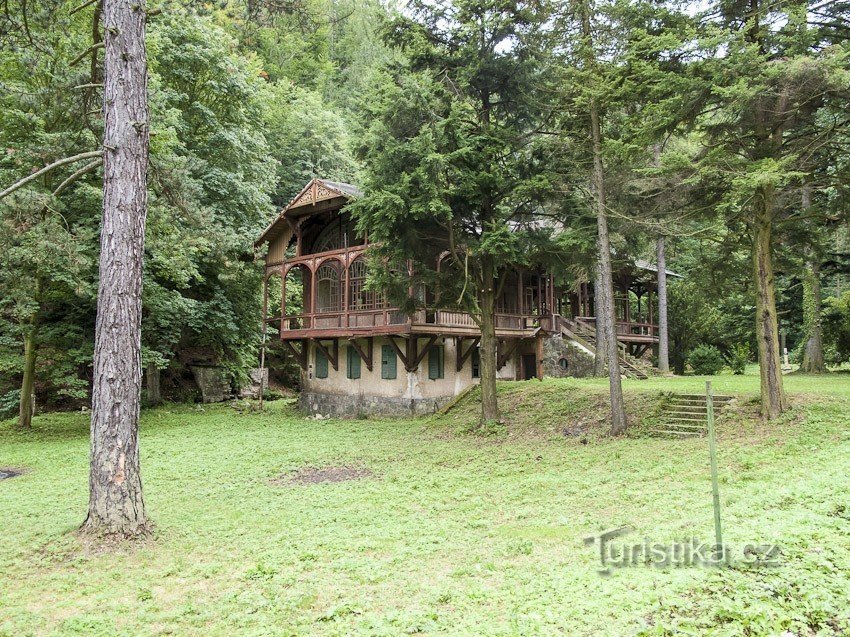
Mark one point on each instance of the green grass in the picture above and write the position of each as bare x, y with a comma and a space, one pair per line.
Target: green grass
454, 534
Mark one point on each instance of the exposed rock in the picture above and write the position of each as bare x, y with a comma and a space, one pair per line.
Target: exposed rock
214, 383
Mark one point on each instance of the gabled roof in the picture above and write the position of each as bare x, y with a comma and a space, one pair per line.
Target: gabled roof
306, 202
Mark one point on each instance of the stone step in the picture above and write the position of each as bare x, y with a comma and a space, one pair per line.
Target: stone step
673, 432
683, 425
686, 421
717, 397
686, 415
697, 399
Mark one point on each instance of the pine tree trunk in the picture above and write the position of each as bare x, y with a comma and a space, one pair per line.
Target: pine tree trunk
663, 333
27, 403
116, 506
605, 328
813, 359
152, 377
773, 399
489, 402
600, 360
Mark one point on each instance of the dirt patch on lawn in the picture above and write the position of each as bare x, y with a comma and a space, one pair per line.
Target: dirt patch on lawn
8, 472
318, 475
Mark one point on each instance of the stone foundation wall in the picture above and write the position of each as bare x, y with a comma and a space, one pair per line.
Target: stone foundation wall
357, 405
579, 362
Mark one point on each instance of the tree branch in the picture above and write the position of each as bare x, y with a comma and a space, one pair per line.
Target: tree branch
94, 47
82, 6
74, 176
56, 164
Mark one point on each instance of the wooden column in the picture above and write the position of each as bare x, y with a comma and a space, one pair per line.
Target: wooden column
539, 357
539, 295
580, 299
282, 299
649, 304
312, 291
346, 301
520, 308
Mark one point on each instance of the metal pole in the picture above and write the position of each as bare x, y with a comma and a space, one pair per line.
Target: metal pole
712, 451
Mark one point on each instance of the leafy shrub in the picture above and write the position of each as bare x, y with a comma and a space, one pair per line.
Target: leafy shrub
272, 394
739, 356
9, 403
706, 360
836, 329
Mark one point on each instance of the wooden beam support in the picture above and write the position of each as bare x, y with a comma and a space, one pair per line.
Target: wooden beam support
421, 355
300, 357
401, 355
332, 355
367, 354
462, 355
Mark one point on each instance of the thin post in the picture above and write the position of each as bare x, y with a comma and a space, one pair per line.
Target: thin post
263, 367
712, 451
263, 338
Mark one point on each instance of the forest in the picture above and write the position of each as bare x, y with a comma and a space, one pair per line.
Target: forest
716, 131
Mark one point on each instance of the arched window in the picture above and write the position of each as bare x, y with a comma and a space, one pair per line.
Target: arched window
330, 238
359, 298
328, 289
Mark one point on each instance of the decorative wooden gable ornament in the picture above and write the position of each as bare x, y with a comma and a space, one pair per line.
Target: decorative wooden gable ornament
314, 192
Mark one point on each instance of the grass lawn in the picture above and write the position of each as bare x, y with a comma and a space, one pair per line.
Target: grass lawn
452, 533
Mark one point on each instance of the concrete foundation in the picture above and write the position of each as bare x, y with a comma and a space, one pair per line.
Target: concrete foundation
362, 405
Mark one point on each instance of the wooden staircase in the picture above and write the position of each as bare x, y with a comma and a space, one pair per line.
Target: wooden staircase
685, 415
585, 336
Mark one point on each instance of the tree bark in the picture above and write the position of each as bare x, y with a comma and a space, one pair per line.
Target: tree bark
773, 399
605, 330
600, 360
663, 333
27, 403
152, 377
116, 506
813, 359
489, 401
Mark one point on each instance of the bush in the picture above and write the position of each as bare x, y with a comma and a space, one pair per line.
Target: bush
739, 356
706, 360
272, 394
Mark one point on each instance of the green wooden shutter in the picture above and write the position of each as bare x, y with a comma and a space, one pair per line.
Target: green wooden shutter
353, 363
476, 363
321, 364
435, 362
389, 362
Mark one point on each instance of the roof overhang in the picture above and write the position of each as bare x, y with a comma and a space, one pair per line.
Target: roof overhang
317, 196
